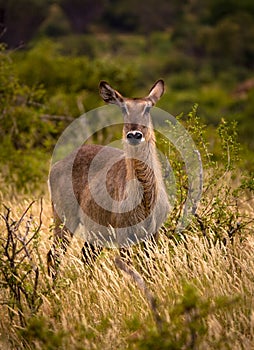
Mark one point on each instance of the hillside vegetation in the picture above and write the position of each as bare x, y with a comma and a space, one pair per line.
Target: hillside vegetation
50, 70
45, 88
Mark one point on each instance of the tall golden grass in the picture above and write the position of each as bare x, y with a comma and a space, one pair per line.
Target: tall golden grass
204, 294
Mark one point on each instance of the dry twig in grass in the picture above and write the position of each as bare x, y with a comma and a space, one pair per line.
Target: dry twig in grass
138, 279
17, 253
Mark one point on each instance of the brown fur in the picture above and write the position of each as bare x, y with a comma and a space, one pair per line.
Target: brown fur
135, 177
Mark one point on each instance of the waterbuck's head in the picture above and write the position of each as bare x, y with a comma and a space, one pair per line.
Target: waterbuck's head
136, 112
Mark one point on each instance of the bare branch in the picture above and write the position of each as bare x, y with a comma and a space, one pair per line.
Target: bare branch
23, 215
138, 279
57, 117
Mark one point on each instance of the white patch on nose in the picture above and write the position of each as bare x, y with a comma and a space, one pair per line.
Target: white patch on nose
134, 132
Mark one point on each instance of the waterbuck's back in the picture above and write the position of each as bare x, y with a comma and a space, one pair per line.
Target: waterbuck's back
88, 181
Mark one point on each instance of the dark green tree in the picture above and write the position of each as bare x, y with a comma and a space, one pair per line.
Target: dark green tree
19, 20
82, 13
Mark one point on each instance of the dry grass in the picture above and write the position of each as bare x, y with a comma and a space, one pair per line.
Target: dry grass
204, 296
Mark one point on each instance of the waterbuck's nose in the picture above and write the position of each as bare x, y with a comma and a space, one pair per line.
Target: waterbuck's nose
134, 137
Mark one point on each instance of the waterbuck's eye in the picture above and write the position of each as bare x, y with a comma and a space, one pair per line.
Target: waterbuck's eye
147, 109
124, 109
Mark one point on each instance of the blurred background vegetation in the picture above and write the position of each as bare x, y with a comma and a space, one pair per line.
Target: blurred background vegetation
54, 53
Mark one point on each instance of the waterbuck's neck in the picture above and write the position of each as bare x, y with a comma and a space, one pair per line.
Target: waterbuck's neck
142, 165
143, 176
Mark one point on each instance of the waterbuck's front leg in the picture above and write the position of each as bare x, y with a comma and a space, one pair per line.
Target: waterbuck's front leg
62, 238
90, 253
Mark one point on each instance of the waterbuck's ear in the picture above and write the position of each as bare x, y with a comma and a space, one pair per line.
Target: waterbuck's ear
109, 94
156, 91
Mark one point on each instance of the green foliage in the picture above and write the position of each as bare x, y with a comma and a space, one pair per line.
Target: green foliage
56, 24
234, 32
25, 136
229, 145
70, 74
221, 215
47, 86
39, 331
187, 327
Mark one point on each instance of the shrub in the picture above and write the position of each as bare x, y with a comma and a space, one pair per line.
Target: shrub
25, 136
222, 210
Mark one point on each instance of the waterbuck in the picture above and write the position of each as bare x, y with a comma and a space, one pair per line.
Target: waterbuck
109, 195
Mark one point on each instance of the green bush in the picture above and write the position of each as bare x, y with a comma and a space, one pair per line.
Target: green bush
26, 138
220, 216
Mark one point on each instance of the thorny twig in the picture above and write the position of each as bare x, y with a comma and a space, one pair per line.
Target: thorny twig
16, 251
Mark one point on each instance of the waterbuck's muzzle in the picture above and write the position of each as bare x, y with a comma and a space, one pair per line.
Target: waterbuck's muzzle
134, 137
